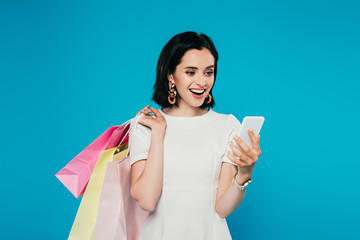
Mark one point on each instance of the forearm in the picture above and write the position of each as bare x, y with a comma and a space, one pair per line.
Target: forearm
147, 189
232, 198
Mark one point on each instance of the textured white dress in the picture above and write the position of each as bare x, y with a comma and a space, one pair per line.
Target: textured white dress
194, 149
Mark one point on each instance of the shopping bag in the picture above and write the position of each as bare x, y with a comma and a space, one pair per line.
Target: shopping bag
84, 224
119, 215
75, 175
119, 135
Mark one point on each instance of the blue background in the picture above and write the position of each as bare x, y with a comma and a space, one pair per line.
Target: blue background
69, 70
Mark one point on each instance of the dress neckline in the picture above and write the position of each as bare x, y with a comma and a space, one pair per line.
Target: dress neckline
193, 117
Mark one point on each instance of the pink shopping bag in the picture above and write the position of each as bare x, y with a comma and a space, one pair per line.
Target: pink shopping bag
76, 174
119, 216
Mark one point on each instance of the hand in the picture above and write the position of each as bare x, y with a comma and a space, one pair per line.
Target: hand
249, 157
158, 123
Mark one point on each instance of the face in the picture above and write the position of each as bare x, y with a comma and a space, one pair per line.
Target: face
194, 76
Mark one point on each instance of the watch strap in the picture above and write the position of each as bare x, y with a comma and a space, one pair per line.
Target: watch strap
241, 187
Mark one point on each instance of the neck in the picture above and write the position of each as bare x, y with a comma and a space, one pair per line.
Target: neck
184, 110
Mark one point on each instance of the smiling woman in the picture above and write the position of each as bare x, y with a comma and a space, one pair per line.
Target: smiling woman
193, 77
185, 58
181, 171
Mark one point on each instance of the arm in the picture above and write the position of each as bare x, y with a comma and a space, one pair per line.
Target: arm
228, 196
147, 174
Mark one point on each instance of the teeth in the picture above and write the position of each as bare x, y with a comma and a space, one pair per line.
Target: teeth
197, 91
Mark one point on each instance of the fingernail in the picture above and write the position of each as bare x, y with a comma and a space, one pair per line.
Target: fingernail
236, 137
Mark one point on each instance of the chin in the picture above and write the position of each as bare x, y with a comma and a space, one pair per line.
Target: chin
197, 104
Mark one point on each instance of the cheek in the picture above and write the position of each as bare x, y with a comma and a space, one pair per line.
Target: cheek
183, 82
210, 83
187, 80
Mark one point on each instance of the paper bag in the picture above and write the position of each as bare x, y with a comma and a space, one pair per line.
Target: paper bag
119, 215
84, 224
76, 174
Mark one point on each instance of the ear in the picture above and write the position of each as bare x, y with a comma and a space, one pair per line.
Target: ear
170, 77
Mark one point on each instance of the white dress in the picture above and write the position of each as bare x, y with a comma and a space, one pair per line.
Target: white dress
194, 149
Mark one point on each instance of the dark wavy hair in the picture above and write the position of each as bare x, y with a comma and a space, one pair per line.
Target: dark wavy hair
170, 57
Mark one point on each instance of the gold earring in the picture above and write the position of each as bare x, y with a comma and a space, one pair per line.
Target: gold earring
172, 93
210, 98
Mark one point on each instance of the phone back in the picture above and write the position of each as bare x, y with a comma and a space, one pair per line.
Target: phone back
253, 122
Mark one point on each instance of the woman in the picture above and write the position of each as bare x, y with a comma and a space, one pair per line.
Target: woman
182, 169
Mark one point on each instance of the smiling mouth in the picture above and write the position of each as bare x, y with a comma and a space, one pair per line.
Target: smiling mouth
197, 92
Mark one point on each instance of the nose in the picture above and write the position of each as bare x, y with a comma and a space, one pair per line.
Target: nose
202, 81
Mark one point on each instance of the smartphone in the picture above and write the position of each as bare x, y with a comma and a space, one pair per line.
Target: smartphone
253, 122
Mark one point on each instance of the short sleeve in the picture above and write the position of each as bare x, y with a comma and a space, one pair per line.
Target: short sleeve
139, 141
233, 127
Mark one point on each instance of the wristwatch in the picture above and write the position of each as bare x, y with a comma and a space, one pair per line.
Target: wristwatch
243, 187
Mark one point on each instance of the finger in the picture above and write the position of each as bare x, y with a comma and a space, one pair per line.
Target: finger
258, 153
258, 137
253, 140
140, 112
244, 147
257, 150
156, 112
239, 162
239, 154
236, 151
146, 109
143, 111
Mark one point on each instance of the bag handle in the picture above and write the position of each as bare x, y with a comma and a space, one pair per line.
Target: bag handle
133, 121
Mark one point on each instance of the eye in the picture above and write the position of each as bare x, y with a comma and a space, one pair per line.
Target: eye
209, 73
190, 73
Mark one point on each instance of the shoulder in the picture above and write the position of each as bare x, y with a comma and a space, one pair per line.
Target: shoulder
138, 129
229, 121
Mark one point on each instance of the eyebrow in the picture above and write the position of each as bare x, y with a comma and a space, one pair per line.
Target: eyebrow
191, 67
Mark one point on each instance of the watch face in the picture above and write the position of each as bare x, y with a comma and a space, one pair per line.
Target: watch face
247, 184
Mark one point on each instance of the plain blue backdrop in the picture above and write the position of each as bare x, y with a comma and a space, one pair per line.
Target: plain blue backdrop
71, 69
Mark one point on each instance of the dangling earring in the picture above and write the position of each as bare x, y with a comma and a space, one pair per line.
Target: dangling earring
172, 93
210, 99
